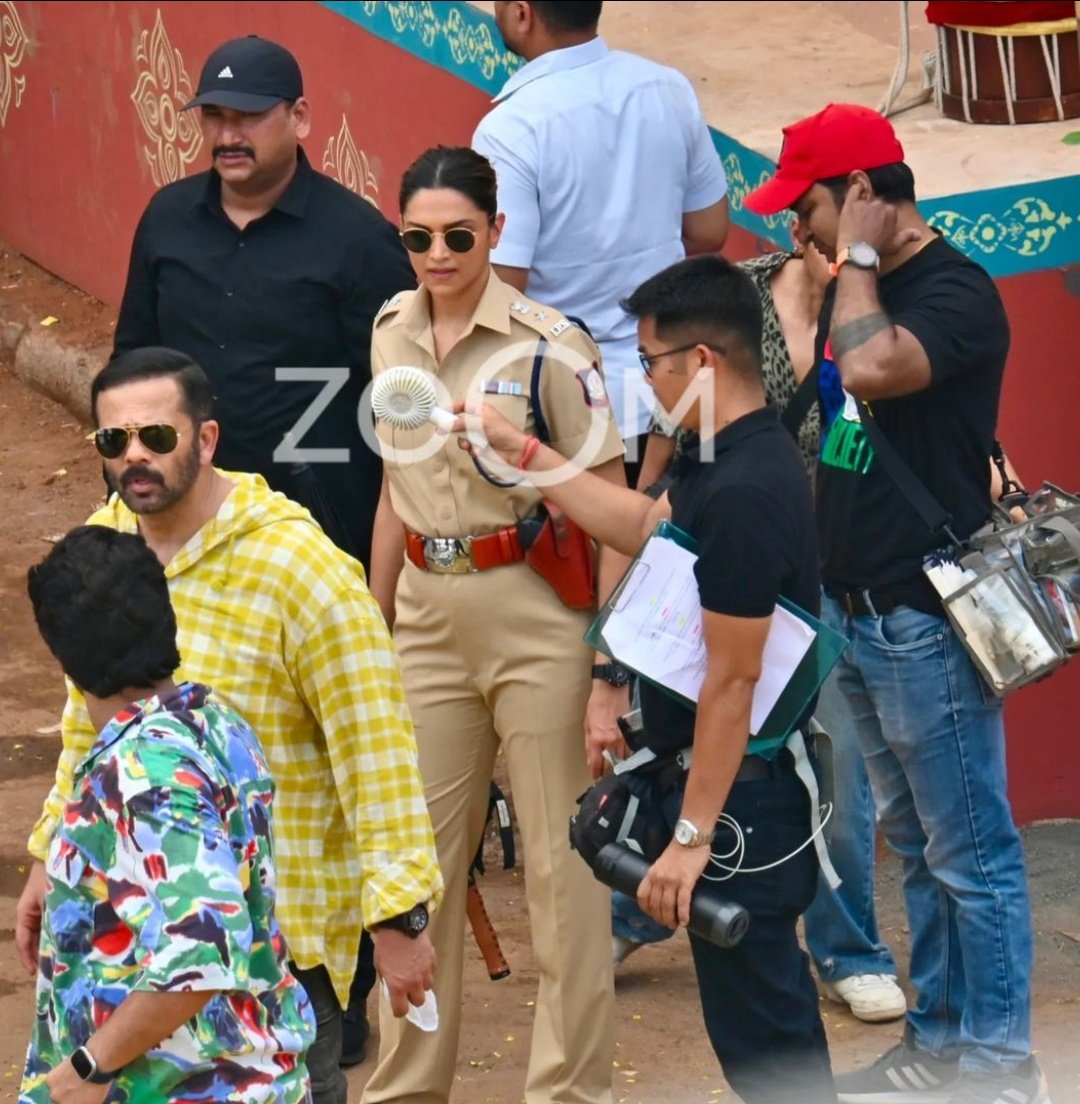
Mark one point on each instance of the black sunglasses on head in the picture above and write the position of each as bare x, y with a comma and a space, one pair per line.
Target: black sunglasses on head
112, 441
460, 239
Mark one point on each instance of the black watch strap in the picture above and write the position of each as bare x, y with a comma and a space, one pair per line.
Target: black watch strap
412, 923
615, 674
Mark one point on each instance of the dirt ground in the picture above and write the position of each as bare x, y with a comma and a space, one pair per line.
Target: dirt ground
50, 481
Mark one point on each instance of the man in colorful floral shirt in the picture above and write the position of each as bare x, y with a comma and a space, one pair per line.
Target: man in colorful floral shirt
162, 972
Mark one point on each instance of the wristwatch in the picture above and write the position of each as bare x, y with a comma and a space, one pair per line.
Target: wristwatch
84, 1065
412, 923
614, 674
688, 834
858, 255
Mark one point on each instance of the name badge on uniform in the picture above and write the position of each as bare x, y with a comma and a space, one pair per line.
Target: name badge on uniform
502, 387
592, 384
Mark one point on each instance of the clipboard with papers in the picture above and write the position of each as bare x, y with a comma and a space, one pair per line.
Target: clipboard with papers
652, 624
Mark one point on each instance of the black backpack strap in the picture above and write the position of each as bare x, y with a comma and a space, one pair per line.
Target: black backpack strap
799, 404
934, 516
534, 392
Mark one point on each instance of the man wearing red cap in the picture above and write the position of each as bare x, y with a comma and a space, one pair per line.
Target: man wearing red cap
914, 335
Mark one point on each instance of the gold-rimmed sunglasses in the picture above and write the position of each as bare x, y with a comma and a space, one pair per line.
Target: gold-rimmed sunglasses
112, 441
458, 239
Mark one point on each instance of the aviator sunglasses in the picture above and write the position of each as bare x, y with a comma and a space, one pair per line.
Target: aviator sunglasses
112, 441
459, 239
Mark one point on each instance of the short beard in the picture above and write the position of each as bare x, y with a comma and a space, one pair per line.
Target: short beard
170, 494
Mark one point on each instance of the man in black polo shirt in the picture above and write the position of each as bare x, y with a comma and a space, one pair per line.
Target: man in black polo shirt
263, 264
741, 492
913, 335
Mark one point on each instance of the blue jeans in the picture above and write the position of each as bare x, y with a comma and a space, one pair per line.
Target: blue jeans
628, 921
841, 924
933, 738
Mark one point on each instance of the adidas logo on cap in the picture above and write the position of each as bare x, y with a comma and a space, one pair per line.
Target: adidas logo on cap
226, 72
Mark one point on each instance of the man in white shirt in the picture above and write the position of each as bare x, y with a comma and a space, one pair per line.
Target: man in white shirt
607, 175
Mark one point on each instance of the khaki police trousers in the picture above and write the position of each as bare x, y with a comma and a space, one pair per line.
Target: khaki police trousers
492, 660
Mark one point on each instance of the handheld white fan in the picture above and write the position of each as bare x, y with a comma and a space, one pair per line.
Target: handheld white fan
405, 398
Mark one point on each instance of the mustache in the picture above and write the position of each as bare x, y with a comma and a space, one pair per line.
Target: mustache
140, 472
247, 151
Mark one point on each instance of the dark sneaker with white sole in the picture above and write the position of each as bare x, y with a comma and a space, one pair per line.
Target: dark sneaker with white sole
903, 1075
1024, 1085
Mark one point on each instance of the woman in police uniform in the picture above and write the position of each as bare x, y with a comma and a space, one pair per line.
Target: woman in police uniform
492, 658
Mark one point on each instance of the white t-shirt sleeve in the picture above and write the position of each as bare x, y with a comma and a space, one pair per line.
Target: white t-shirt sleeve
706, 182
511, 149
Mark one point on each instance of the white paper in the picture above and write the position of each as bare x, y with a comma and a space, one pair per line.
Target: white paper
655, 629
425, 1016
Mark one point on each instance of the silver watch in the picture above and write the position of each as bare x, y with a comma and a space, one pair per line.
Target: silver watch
863, 255
687, 834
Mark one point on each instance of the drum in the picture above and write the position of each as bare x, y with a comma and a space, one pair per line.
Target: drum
1020, 73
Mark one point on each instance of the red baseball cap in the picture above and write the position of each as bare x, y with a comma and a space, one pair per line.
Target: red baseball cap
834, 142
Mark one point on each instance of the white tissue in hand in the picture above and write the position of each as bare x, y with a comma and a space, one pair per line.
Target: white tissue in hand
426, 1016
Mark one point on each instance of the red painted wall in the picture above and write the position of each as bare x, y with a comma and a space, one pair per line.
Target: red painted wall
1038, 426
74, 175
74, 178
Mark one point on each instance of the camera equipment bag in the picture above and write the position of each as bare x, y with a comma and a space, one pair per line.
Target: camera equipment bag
1012, 588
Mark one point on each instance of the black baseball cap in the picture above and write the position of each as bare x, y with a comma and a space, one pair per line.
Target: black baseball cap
248, 74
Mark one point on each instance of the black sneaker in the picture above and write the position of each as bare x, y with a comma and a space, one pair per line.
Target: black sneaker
903, 1075
355, 1031
1024, 1085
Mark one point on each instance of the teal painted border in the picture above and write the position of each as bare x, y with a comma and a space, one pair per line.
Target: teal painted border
456, 37
1011, 230
1021, 228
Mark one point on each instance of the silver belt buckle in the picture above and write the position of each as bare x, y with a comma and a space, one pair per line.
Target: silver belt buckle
448, 555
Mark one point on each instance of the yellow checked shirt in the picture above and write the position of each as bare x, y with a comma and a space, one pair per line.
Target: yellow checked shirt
435, 488
280, 624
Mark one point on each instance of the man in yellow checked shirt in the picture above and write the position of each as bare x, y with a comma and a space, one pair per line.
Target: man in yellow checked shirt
280, 623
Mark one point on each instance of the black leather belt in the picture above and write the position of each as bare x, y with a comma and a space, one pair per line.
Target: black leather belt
754, 768
863, 603
879, 602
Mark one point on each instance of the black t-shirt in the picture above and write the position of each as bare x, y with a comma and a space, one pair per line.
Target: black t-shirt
750, 510
870, 535
297, 288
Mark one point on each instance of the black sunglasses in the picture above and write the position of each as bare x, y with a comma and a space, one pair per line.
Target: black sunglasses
112, 441
647, 359
460, 239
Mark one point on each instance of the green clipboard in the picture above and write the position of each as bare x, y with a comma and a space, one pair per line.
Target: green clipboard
827, 647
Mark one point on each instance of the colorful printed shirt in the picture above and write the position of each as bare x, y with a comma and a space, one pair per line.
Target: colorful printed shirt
161, 878
281, 623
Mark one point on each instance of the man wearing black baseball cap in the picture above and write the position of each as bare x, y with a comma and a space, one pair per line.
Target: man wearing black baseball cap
264, 264
913, 337
249, 74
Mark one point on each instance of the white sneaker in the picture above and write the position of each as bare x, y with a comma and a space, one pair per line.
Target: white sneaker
622, 948
873, 998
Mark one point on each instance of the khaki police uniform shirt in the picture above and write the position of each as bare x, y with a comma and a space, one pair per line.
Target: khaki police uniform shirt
435, 488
